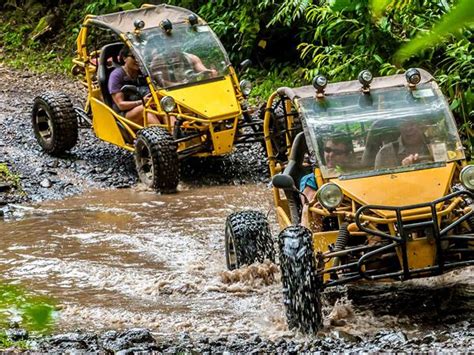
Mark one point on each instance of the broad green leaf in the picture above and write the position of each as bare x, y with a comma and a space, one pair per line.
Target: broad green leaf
460, 16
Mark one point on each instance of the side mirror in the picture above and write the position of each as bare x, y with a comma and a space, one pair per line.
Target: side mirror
284, 181
245, 64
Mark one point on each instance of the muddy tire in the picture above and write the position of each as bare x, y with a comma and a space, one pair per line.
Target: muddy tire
247, 239
156, 159
54, 123
301, 287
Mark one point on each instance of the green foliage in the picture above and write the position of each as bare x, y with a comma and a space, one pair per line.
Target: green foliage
265, 85
107, 6
35, 312
7, 176
6, 343
461, 16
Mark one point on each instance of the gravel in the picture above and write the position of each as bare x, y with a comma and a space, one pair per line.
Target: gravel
91, 163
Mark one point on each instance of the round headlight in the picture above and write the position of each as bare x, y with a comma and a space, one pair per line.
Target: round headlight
167, 104
330, 196
467, 177
320, 82
413, 76
365, 77
245, 87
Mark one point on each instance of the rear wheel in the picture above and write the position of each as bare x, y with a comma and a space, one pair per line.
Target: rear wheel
54, 123
156, 159
247, 239
301, 287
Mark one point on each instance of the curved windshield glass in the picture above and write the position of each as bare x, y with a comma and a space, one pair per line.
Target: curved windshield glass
388, 130
186, 55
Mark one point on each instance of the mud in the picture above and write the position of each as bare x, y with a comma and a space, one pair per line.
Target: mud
136, 271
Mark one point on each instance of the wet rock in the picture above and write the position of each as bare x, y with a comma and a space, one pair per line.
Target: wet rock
5, 186
70, 342
391, 339
17, 334
345, 336
133, 338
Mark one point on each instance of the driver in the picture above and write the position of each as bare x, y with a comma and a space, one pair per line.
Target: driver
409, 148
177, 67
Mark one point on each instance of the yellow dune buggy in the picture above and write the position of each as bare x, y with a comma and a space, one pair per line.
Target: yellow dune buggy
382, 210
201, 115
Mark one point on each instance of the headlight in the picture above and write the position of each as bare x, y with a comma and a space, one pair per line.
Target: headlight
167, 104
330, 196
413, 76
365, 78
467, 177
245, 87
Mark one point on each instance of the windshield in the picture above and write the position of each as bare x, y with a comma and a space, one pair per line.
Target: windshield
392, 129
186, 55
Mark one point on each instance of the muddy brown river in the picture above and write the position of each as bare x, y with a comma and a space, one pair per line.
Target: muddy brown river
124, 258
132, 258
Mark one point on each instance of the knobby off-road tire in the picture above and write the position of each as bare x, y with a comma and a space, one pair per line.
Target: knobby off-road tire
156, 159
54, 123
247, 239
301, 287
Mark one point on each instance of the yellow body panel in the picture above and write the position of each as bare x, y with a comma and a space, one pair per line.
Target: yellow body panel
215, 99
223, 141
104, 123
421, 253
321, 240
400, 189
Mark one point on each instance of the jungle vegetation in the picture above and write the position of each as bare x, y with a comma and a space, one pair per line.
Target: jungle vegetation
288, 41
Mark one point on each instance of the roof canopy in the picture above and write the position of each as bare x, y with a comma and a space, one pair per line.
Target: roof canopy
122, 22
353, 85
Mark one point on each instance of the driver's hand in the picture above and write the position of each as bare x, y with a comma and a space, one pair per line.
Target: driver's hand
147, 97
411, 159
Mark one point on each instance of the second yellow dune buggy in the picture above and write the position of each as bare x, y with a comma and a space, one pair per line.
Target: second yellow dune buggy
201, 115
397, 204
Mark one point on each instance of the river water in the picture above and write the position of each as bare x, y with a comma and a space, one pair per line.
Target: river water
124, 258
132, 258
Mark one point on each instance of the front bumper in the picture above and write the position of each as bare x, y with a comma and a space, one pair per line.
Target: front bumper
408, 250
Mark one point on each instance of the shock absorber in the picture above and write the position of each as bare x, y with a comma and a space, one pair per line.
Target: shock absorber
341, 242
342, 237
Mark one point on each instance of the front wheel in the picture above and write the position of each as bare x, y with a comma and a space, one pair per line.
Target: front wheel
301, 286
247, 239
156, 159
54, 122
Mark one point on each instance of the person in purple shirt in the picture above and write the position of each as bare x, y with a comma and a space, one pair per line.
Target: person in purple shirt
128, 74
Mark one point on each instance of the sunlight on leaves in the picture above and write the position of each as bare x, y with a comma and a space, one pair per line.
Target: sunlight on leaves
462, 15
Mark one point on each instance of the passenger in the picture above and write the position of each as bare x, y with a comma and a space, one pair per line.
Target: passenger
409, 148
178, 67
337, 155
128, 74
